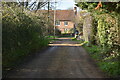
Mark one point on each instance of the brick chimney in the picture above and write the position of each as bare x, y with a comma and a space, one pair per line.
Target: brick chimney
75, 10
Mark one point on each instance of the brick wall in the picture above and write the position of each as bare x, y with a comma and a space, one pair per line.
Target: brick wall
65, 28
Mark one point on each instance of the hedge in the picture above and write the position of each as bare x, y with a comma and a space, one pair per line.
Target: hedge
23, 32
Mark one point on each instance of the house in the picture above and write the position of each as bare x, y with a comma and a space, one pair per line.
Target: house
64, 19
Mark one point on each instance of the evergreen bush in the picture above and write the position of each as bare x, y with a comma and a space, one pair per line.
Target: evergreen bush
23, 32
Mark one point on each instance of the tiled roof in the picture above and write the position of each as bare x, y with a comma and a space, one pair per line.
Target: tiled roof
64, 14
60, 14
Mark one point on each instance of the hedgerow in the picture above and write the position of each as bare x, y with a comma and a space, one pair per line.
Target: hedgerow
23, 32
105, 34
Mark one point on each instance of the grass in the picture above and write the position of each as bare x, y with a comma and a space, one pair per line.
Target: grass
80, 41
109, 64
74, 39
51, 37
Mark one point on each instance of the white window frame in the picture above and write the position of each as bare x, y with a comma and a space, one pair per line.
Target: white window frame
65, 24
57, 24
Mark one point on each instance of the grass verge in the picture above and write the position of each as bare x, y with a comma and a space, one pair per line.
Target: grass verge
108, 63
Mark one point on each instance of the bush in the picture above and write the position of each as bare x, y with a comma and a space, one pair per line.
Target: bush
105, 35
23, 33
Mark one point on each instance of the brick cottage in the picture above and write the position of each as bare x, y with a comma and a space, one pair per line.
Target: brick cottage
64, 19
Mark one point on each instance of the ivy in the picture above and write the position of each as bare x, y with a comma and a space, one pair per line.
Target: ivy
105, 31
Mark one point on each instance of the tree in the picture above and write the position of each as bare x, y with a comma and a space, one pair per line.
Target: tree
33, 4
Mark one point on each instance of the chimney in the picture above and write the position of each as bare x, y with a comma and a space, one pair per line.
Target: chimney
75, 10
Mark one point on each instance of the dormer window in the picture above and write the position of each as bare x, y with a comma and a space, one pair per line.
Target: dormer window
66, 23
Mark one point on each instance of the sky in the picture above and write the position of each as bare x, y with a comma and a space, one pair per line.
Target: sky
65, 4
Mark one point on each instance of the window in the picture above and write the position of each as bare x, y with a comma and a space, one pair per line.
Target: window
66, 23
57, 23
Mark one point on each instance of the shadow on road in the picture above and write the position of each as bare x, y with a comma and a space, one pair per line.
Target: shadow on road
68, 61
65, 42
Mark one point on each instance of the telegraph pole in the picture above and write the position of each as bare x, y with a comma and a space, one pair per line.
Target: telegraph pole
54, 16
48, 9
48, 16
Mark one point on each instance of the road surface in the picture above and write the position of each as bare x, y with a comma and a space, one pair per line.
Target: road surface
64, 60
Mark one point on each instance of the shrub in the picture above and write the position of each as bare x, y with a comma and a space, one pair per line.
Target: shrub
23, 32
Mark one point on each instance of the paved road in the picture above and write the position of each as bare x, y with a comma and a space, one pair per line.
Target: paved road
59, 62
